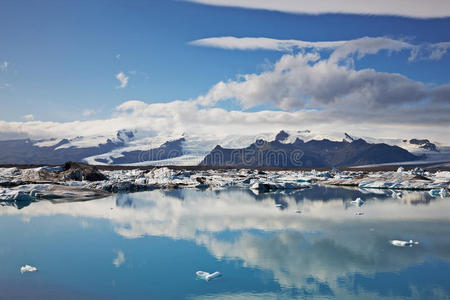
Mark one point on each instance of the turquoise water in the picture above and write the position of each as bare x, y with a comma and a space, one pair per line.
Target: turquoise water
149, 245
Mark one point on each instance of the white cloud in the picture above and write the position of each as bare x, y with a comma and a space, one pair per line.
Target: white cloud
5, 85
261, 43
119, 260
303, 80
123, 80
4, 66
88, 112
360, 47
429, 51
321, 92
404, 8
29, 117
118, 56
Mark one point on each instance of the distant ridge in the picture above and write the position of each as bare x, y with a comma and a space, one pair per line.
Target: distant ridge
285, 149
312, 154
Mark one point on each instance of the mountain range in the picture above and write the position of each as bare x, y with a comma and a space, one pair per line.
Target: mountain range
283, 149
312, 154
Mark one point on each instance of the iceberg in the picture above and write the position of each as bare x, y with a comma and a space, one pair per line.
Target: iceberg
438, 193
399, 243
358, 201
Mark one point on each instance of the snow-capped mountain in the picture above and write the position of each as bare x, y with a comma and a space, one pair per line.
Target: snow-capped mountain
131, 147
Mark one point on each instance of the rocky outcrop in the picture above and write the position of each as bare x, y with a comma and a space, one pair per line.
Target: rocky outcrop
424, 144
79, 171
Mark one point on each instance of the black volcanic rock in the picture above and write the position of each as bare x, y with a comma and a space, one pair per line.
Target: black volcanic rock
79, 171
312, 154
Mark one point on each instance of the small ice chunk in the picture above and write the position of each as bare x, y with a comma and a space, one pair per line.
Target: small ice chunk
207, 276
27, 268
400, 170
438, 193
399, 243
358, 201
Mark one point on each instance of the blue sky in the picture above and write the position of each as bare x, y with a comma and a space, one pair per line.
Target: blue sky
63, 56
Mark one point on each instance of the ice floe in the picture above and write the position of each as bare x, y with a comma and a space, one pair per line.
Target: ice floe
358, 202
399, 243
67, 180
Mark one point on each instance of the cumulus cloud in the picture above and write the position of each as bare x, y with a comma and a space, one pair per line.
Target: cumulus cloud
404, 8
29, 117
123, 79
119, 260
4, 66
165, 120
310, 90
299, 80
88, 112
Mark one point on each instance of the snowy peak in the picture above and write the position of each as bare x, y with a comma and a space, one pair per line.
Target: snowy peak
125, 135
281, 136
348, 138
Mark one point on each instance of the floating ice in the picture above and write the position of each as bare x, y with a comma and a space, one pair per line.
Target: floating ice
438, 193
207, 276
259, 186
359, 213
358, 201
397, 194
27, 268
399, 243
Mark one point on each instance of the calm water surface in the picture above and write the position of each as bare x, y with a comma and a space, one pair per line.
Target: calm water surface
149, 245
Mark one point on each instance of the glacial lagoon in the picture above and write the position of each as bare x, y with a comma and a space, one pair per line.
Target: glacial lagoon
300, 244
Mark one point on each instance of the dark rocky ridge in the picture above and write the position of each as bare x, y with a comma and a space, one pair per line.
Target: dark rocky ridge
312, 154
424, 144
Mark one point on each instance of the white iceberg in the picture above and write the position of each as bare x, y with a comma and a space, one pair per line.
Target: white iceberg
399, 243
358, 201
27, 268
438, 193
